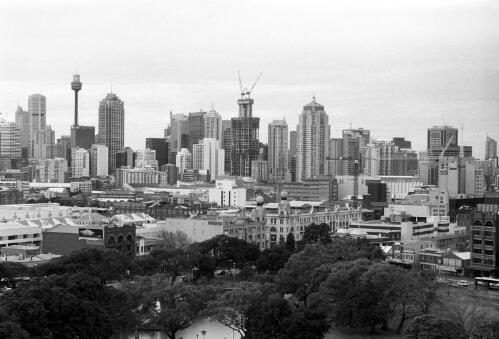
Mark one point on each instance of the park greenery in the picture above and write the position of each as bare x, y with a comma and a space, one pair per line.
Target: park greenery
299, 289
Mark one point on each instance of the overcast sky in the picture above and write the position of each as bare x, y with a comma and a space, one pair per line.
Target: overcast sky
394, 67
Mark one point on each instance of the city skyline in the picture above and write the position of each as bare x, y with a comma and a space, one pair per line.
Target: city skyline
424, 65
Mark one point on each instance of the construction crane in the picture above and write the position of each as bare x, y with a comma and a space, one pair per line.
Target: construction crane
245, 91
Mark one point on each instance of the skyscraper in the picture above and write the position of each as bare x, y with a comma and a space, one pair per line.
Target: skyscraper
278, 156
245, 131
490, 149
43, 141
439, 136
37, 109
227, 143
196, 128
313, 142
112, 126
125, 157
99, 160
161, 146
22, 121
213, 125
354, 144
10, 143
80, 163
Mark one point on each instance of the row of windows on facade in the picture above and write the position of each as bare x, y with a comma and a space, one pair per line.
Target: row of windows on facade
24, 236
484, 261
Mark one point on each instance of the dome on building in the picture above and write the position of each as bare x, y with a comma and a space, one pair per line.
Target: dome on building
240, 222
260, 199
284, 195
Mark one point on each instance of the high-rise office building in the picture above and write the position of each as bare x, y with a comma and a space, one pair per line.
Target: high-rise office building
213, 125
278, 156
22, 121
52, 170
82, 136
43, 141
196, 128
440, 136
184, 161
354, 144
112, 126
80, 163
490, 149
245, 131
37, 109
401, 142
178, 132
64, 148
10, 144
146, 158
335, 153
213, 158
99, 160
293, 151
161, 146
125, 157
384, 158
313, 142
227, 143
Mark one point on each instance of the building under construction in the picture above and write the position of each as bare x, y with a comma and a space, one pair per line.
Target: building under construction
245, 129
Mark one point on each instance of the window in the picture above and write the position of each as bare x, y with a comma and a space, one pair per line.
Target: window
477, 241
489, 252
477, 223
489, 223
477, 251
487, 233
475, 232
489, 243
477, 260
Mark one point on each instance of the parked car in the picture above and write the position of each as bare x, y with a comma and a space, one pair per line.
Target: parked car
463, 283
442, 280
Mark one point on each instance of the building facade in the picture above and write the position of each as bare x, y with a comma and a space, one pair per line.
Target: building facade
278, 154
112, 127
99, 155
313, 142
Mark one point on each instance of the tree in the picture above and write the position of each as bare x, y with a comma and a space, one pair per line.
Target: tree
275, 319
272, 259
179, 306
486, 330
235, 308
290, 242
425, 295
429, 326
175, 240
228, 251
174, 261
11, 270
351, 303
69, 306
317, 233
105, 264
12, 330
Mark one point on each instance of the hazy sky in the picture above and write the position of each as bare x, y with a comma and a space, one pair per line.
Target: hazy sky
395, 67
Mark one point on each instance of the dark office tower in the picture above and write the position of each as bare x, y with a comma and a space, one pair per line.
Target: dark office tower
112, 127
245, 129
22, 121
125, 157
82, 136
293, 149
401, 143
490, 149
64, 148
37, 109
196, 128
160, 145
227, 143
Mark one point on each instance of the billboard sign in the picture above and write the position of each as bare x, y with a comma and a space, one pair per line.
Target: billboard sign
91, 233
